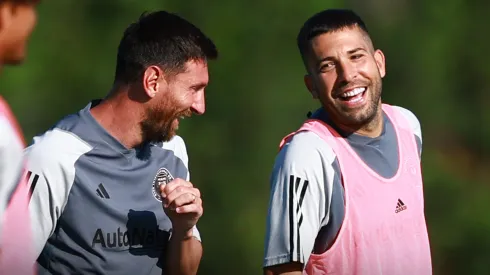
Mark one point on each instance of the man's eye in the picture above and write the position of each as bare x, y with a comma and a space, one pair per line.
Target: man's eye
327, 66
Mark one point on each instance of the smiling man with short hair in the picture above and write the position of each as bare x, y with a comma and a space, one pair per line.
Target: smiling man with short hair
346, 188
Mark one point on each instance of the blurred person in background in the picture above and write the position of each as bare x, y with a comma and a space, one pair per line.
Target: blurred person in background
110, 184
17, 21
346, 188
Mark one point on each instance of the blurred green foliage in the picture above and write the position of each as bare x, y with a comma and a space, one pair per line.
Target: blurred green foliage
436, 67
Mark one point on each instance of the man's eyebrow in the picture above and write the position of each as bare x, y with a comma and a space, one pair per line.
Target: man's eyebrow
328, 58
356, 50
199, 86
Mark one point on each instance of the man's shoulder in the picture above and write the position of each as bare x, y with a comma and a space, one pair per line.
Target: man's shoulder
64, 138
412, 120
55, 146
178, 147
308, 148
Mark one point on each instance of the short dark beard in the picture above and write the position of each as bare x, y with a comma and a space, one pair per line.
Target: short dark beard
373, 110
371, 114
157, 125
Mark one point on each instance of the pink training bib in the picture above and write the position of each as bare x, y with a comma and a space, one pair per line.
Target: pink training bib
384, 230
16, 242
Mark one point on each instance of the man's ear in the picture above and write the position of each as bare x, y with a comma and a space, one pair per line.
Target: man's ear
153, 78
379, 57
310, 86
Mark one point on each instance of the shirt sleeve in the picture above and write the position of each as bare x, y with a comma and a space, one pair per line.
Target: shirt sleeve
50, 164
300, 192
48, 182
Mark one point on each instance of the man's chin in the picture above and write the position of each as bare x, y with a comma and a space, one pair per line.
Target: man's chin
158, 137
13, 62
357, 118
168, 137
14, 59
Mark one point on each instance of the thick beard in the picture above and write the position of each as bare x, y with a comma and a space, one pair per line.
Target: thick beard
158, 124
368, 115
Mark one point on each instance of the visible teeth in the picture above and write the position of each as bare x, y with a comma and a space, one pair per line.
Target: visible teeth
354, 92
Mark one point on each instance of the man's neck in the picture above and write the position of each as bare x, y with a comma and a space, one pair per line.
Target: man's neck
372, 129
121, 118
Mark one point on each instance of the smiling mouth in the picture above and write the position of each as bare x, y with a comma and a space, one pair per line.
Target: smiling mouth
353, 96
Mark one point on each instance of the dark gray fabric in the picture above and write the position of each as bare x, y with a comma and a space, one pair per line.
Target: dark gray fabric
112, 222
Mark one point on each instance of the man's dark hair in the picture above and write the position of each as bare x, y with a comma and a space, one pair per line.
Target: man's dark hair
326, 21
162, 39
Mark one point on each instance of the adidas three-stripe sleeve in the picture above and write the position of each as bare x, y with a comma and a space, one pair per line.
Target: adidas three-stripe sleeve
51, 174
300, 188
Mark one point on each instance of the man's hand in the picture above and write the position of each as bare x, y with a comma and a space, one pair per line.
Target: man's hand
183, 205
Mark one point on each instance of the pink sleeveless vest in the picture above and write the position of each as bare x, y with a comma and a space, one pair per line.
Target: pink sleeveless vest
384, 230
16, 242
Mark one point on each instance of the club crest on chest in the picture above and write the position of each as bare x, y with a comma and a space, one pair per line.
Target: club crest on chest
162, 177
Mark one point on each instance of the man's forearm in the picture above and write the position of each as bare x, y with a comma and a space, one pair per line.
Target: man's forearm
183, 255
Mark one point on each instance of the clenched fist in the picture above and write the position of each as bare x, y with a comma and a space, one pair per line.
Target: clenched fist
183, 205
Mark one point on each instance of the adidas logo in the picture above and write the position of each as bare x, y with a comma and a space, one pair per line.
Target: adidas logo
400, 206
101, 192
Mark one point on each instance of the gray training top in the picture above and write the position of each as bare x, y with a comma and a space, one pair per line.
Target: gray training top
310, 164
94, 206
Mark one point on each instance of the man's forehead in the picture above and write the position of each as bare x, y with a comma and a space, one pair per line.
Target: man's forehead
195, 70
197, 64
346, 39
